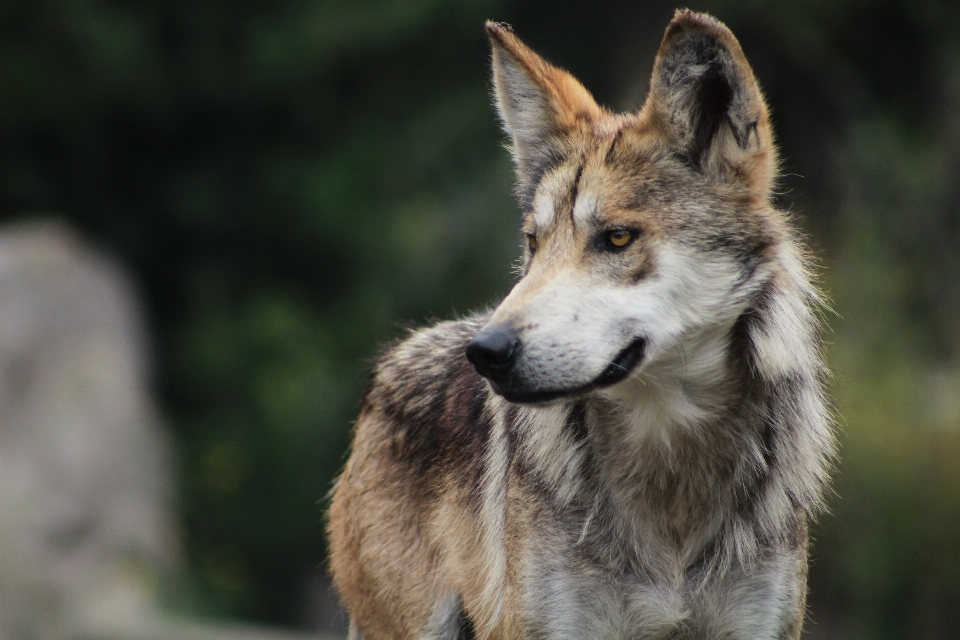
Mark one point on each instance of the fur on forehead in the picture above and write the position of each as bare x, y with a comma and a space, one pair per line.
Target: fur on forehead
704, 111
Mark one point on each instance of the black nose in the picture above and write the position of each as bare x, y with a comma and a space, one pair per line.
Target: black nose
493, 352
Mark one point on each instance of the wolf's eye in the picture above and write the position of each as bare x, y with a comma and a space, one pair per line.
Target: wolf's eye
532, 242
619, 238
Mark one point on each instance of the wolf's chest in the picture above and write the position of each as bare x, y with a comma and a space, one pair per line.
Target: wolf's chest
567, 598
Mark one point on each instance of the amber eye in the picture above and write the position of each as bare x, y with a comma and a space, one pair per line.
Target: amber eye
619, 238
532, 242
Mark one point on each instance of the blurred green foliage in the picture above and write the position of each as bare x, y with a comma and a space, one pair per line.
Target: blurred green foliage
290, 181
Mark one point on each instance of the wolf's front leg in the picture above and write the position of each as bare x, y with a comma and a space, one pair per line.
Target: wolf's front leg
449, 622
352, 632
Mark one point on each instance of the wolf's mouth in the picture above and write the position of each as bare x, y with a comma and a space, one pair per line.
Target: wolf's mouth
623, 365
619, 369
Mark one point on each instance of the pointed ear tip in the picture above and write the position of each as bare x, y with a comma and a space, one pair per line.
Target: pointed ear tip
498, 30
687, 20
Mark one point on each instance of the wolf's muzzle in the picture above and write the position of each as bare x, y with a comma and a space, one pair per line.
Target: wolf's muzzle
493, 352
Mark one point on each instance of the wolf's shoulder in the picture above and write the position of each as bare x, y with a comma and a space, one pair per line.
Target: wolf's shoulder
427, 395
428, 353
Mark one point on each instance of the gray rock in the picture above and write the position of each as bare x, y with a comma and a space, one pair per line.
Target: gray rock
87, 529
86, 524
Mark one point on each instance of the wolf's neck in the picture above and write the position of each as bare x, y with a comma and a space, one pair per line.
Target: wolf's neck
671, 443
652, 445
731, 430
682, 390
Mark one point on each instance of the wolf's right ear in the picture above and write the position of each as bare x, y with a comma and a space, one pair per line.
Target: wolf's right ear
538, 103
705, 100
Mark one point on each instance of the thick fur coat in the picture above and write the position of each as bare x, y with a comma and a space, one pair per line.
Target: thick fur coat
639, 437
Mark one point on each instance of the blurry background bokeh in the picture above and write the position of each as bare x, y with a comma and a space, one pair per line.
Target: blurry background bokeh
288, 184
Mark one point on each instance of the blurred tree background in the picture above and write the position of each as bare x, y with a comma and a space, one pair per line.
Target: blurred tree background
293, 181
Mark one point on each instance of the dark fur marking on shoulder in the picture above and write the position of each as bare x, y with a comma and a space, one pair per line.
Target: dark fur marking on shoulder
414, 427
437, 422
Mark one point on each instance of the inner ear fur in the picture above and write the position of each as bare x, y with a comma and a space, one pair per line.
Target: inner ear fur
538, 104
705, 99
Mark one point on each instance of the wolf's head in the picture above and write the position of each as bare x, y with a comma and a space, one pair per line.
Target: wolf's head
646, 235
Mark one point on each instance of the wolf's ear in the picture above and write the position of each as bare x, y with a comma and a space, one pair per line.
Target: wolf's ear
538, 103
705, 99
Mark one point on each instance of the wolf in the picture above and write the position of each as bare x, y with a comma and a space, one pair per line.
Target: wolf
632, 444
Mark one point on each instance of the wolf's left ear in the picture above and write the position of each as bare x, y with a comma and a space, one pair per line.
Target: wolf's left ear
538, 103
705, 99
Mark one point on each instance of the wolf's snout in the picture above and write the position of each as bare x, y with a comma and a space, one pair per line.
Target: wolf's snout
493, 352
